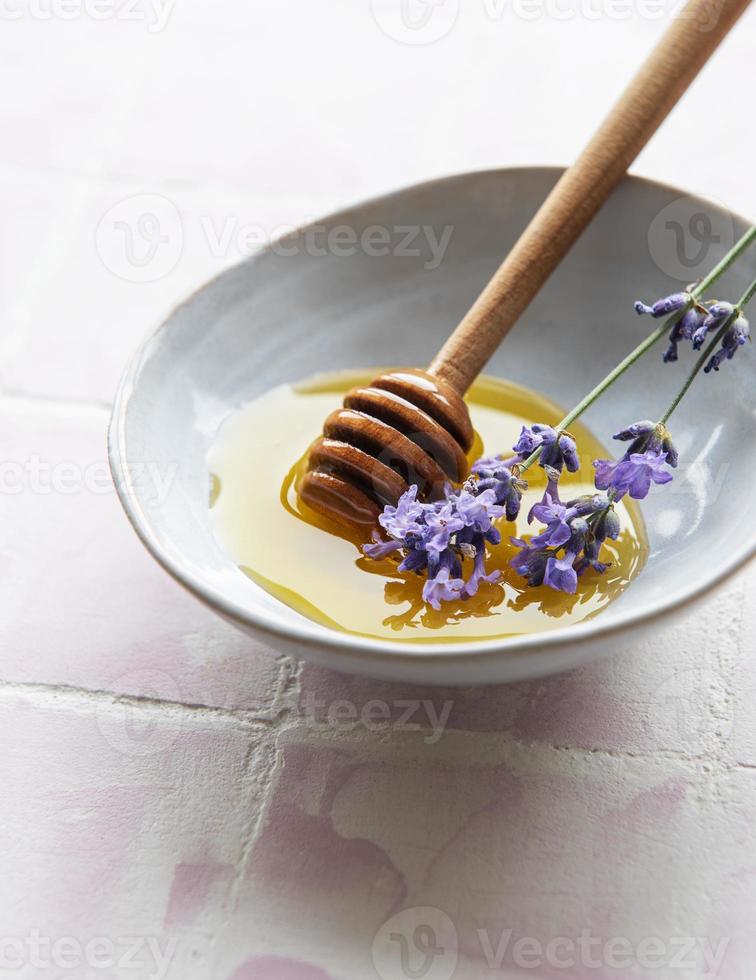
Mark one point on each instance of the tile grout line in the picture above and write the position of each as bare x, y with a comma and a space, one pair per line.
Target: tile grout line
288, 682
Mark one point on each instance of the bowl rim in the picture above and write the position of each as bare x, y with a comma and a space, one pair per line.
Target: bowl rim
373, 649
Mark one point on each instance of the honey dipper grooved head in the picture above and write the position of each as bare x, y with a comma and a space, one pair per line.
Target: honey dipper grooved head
407, 427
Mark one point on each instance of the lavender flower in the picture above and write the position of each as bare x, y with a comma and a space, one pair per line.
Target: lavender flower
716, 317
651, 449
633, 474
433, 538
404, 519
560, 573
665, 306
578, 528
649, 436
442, 588
495, 473
478, 510
479, 572
590, 556
684, 329
554, 516
441, 522
734, 337
558, 449
530, 562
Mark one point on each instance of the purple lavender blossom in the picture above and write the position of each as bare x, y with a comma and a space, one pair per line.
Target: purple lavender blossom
530, 562
734, 337
556, 518
380, 548
433, 538
579, 528
633, 474
442, 588
590, 557
558, 449
684, 329
665, 306
648, 436
638, 430
606, 526
495, 473
651, 448
441, 522
478, 510
560, 573
718, 314
404, 519
493, 465
479, 572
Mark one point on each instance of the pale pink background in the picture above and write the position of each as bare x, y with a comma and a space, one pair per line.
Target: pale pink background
166, 779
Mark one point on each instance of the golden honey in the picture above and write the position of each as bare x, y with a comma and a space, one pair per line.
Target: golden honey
318, 570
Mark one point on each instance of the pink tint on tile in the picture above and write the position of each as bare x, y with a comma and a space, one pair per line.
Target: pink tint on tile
651, 807
278, 968
577, 709
85, 836
192, 887
300, 853
102, 818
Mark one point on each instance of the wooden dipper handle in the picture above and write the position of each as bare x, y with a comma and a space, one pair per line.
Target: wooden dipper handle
666, 74
412, 428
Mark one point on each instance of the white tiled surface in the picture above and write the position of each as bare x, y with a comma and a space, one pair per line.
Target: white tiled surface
165, 779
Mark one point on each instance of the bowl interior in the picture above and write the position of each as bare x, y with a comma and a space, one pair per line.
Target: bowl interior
385, 283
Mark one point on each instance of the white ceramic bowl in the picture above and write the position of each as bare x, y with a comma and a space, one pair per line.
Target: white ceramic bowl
292, 311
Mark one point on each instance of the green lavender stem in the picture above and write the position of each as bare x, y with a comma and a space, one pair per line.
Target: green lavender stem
702, 360
719, 269
724, 264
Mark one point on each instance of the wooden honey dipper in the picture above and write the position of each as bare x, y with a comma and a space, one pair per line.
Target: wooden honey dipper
413, 426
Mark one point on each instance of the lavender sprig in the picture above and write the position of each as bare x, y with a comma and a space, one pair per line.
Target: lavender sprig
710, 360
692, 319
571, 541
436, 539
